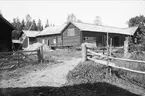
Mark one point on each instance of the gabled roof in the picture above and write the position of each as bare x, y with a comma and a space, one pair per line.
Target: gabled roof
31, 33
52, 30
6, 21
104, 29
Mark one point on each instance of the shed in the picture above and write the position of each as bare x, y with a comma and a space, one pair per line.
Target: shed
6, 29
28, 38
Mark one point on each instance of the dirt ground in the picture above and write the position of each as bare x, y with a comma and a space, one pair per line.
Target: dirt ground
46, 76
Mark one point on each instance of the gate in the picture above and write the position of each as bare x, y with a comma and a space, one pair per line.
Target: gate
10, 60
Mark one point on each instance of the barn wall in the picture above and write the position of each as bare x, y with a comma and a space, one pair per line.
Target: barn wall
5, 37
50, 40
71, 40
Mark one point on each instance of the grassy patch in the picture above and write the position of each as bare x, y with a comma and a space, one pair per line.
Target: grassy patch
90, 72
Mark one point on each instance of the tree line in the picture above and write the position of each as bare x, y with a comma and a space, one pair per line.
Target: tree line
29, 24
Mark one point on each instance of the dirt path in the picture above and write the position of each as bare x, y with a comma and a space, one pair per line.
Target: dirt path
48, 77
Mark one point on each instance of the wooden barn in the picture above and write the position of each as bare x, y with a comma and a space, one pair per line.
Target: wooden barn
6, 35
74, 34
51, 36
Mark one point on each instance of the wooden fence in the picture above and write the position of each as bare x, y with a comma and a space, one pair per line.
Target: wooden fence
88, 54
10, 60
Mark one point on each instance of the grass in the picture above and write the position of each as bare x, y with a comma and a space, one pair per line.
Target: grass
90, 72
135, 77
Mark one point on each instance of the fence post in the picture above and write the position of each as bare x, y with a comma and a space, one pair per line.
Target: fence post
126, 46
84, 52
110, 46
40, 54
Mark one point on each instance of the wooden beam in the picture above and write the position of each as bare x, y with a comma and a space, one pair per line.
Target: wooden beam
113, 65
138, 61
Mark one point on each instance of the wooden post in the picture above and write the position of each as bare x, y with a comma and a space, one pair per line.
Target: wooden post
110, 46
39, 55
84, 52
126, 46
107, 49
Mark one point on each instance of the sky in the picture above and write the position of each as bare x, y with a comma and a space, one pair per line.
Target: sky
112, 12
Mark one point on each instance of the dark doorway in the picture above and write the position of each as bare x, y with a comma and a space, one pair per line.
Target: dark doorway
115, 41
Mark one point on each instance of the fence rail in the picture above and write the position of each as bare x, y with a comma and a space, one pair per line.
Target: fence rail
86, 52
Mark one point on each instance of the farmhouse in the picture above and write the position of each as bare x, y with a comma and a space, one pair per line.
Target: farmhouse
6, 35
74, 34
28, 38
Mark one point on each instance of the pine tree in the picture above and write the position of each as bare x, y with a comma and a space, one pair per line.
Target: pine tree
47, 23
39, 26
34, 26
23, 24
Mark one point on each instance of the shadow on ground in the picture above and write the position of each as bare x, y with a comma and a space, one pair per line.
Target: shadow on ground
96, 89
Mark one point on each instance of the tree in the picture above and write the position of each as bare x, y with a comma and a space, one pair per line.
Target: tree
71, 18
97, 20
39, 26
16, 23
34, 26
138, 42
15, 34
47, 23
28, 22
23, 24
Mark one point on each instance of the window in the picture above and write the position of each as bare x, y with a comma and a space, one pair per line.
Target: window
54, 41
43, 41
71, 32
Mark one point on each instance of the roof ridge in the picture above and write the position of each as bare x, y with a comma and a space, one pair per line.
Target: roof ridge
98, 25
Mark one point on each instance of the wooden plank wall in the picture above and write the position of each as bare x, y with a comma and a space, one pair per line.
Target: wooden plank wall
71, 40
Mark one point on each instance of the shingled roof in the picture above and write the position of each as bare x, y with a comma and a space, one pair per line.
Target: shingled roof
52, 30
31, 33
104, 29
88, 27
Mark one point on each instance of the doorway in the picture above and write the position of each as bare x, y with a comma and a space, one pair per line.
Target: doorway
115, 42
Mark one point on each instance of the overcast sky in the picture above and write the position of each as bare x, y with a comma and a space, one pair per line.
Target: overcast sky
112, 12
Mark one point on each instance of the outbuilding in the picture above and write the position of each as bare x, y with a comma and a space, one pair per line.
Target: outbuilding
6, 35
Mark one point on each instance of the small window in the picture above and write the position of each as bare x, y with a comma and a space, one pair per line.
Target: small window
54, 41
71, 32
43, 41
